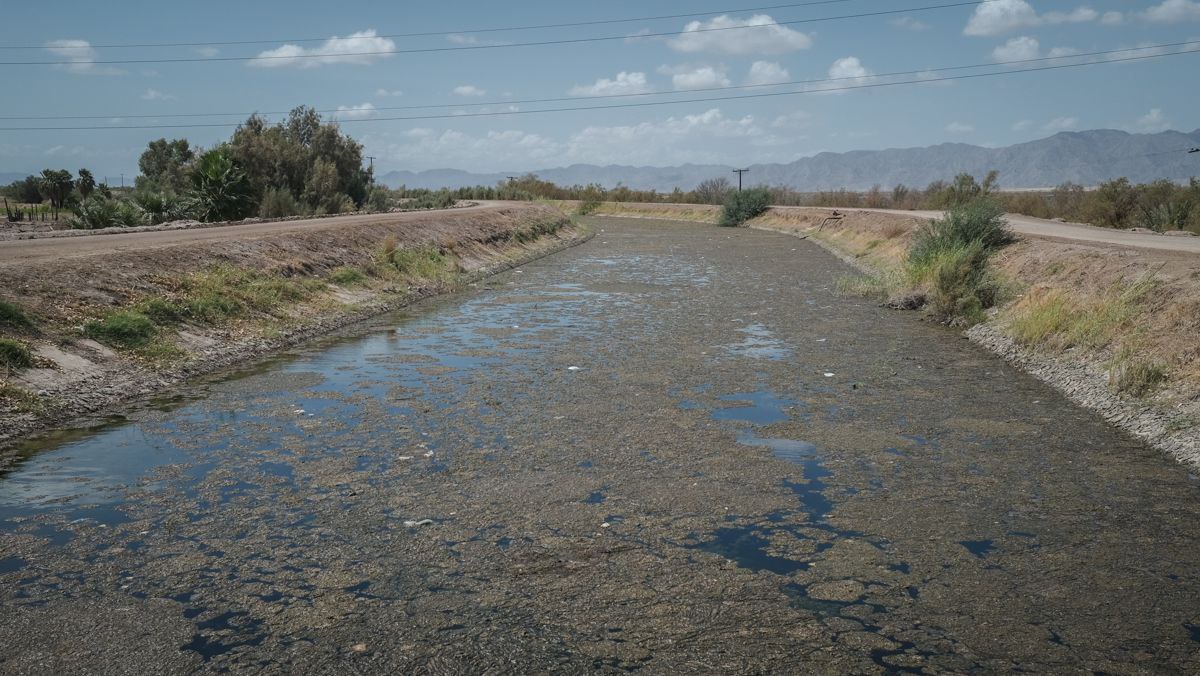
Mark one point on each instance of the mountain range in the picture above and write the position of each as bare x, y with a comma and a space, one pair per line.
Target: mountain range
1083, 157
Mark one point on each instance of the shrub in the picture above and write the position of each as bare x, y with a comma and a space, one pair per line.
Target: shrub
221, 191
160, 207
213, 306
442, 199
978, 221
122, 329
588, 206
1136, 377
278, 203
420, 263
742, 206
162, 311
14, 354
347, 276
960, 290
99, 211
12, 315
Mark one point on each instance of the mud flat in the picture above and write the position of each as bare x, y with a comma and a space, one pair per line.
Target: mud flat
674, 448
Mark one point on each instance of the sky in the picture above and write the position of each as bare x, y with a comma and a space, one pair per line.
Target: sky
733, 45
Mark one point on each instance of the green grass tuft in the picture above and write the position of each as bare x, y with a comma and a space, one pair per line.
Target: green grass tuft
12, 315
123, 329
14, 354
347, 276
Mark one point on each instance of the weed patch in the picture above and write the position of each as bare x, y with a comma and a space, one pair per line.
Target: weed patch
14, 354
12, 315
347, 276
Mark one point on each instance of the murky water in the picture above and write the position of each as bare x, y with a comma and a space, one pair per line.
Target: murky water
672, 446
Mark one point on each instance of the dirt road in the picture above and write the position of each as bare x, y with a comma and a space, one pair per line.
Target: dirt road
1039, 227
55, 248
672, 449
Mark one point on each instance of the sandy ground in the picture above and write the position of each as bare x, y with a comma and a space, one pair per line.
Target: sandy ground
58, 248
674, 449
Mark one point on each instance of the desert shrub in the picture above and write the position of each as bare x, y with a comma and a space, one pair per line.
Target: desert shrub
380, 199
14, 354
442, 199
162, 310
742, 206
588, 206
11, 314
977, 221
278, 203
347, 276
124, 329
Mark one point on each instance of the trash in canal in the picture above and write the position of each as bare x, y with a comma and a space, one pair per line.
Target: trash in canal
422, 522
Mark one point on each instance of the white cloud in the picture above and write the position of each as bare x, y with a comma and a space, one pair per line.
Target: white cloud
1112, 18
1173, 10
909, 24
1017, 49
80, 57
959, 128
706, 137
361, 48
359, 112
623, 83
1152, 122
1022, 125
727, 35
1002, 16
767, 72
1077, 15
469, 90
699, 77
155, 95
1061, 124
849, 72
388, 92
1062, 52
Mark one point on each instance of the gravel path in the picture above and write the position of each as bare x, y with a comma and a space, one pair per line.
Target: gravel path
673, 448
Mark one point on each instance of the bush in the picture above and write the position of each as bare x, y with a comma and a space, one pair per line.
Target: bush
160, 207
162, 311
442, 199
420, 263
12, 315
1137, 377
742, 206
98, 211
14, 354
347, 276
122, 329
221, 191
978, 221
588, 206
278, 203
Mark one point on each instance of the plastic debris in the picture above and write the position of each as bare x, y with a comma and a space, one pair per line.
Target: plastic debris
830, 375
422, 522
405, 457
573, 368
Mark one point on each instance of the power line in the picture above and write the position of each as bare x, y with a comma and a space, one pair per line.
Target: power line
560, 99
472, 31
643, 104
459, 48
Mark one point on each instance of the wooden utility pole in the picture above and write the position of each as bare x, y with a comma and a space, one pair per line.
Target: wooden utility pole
739, 172
372, 159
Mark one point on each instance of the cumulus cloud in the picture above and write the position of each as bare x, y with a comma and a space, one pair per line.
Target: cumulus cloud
80, 57
909, 24
1017, 49
724, 34
155, 95
695, 77
1173, 10
1061, 124
468, 90
959, 128
1003, 16
1152, 122
623, 83
361, 48
766, 73
359, 112
849, 72
697, 138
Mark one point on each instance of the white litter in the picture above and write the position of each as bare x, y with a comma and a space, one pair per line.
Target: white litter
822, 340
422, 522
405, 457
428, 454
830, 375
299, 411
573, 368
605, 525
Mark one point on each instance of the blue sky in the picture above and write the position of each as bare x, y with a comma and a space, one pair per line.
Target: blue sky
1147, 96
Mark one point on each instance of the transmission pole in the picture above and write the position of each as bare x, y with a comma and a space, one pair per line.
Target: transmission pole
739, 172
369, 157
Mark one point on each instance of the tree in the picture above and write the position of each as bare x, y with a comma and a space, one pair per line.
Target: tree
220, 189
57, 185
714, 190
28, 190
86, 183
164, 165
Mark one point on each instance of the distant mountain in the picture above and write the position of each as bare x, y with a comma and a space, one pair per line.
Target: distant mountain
1084, 157
7, 177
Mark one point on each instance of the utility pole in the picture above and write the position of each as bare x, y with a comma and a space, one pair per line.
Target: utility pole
739, 172
369, 157
122, 180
